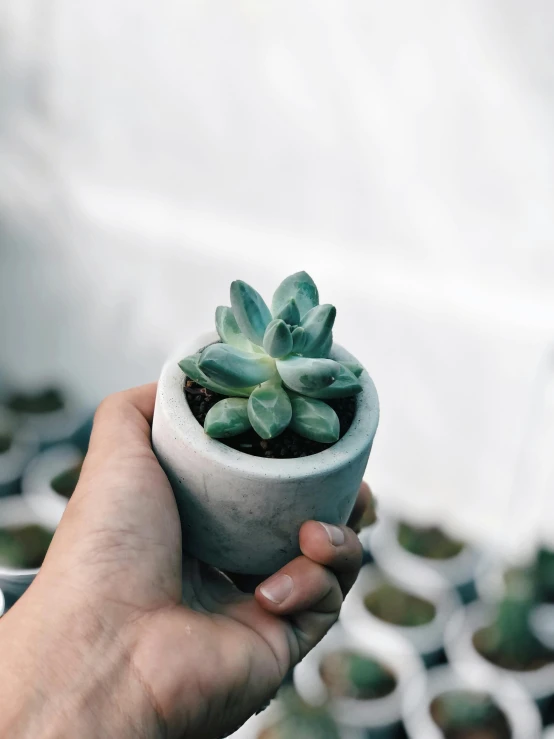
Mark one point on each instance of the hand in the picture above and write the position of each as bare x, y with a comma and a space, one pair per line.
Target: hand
119, 636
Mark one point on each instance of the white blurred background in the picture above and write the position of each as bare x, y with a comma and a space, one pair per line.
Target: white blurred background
400, 152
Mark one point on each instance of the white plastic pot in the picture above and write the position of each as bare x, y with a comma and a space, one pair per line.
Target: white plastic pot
242, 513
380, 718
428, 639
465, 658
390, 555
15, 512
36, 485
520, 711
12, 462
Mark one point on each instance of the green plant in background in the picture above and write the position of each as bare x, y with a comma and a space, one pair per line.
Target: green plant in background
398, 607
43, 401
543, 570
510, 641
65, 483
428, 541
273, 365
459, 710
300, 721
349, 674
24, 547
5, 442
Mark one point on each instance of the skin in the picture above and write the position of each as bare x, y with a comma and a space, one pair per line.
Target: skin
121, 636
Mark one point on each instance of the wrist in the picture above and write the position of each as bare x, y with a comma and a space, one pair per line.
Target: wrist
66, 676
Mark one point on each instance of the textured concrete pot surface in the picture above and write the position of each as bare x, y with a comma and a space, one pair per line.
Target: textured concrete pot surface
243, 513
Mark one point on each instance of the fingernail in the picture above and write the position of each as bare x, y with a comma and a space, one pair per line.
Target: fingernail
336, 535
277, 589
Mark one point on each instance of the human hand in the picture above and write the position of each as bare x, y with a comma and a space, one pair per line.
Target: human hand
121, 636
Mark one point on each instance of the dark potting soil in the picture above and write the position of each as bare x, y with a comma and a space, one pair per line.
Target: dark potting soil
535, 657
428, 541
398, 607
45, 401
493, 725
5, 443
66, 482
285, 446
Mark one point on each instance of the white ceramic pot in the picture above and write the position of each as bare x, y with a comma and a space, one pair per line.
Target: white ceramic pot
465, 658
15, 512
428, 639
36, 485
242, 513
380, 718
458, 571
12, 462
520, 711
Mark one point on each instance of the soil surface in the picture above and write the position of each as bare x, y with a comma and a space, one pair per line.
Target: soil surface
287, 445
494, 726
429, 542
540, 656
396, 606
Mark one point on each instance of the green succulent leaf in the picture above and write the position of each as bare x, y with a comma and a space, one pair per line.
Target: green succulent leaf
354, 367
228, 329
318, 324
227, 365
190, 367
278, 339
344, 386
299, 286
227, 418
298, 340
269, 410
305, 374
251, 312
314, 419
289, 313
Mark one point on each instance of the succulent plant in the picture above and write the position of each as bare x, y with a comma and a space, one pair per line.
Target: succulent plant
352, 675
300, 721
273, 366
544, 575
457, 709
427, 541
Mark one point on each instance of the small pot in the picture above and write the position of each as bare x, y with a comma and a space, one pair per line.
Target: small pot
71, 424
520, 711
463, 655
380, 718
24, 446
390, 555
242, 513
428, 639
15, 512
36, 485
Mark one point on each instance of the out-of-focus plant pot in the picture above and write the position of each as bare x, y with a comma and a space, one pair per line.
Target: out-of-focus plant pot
16, 514
69, 422
468, 661
37, 484
520, 711
392, 557
17, 447
426, 639
2, 603
380, 718
243, 513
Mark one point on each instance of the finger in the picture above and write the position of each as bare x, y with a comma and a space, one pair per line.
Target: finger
363, 501
335, 547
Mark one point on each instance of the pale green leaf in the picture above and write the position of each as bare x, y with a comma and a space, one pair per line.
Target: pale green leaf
344, 386
301, 374
314, 419
318, 324
233, 367
298, 340
190, 367
354, 367
289, 313
269, 410
277, 339
251, 312
227, 418
299, 286
321, 351
228, 329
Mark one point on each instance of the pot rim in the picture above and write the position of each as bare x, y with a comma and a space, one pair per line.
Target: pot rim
171, 401
519, 709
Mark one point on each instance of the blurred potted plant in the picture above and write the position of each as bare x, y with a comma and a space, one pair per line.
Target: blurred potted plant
49, 481
265, 425
17, 447
414, 604
24, 541
360, 681
52, 414
396, 543
446, 705
500, 639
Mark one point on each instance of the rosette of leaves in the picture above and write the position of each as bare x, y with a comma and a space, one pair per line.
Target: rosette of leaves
273, 366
